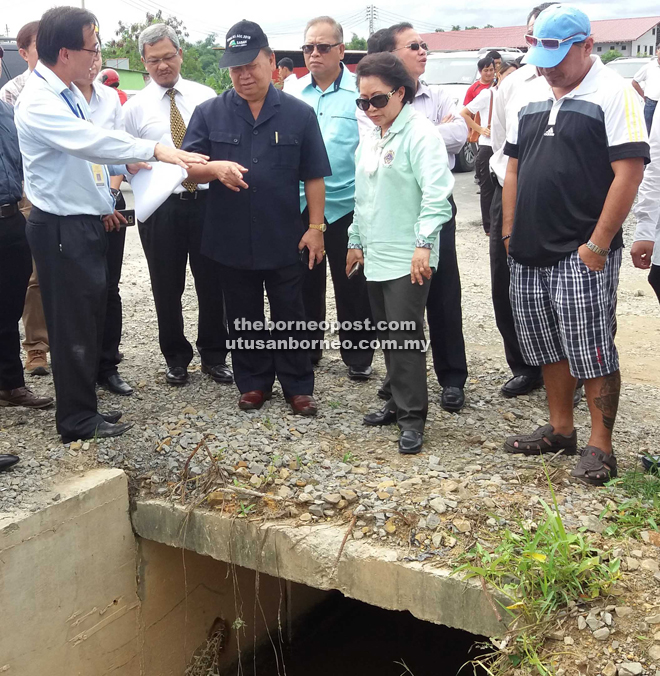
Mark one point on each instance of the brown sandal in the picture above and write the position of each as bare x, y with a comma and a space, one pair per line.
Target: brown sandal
543, 440
594, 466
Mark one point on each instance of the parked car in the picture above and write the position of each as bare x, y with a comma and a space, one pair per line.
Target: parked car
456, 71
627, 66
12, 62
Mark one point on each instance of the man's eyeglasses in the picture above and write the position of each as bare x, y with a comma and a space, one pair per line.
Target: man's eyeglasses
414, 46
378, 101
322, 48
166, 59
550, 43
96, 51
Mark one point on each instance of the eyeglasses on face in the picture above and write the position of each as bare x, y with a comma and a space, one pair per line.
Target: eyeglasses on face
322, 48
378, 101
166, 59
550, 43
414, 46
96, 51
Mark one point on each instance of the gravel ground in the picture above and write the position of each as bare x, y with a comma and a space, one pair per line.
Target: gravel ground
309, 461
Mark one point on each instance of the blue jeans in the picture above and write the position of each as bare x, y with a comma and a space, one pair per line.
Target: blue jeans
649, 109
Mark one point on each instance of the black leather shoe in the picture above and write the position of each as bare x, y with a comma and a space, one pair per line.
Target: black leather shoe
360, 373
116, 384
410, 442
383, 394
383, 417
221, 373
103, 431
452, 399
111, 416
176, 375
518, 385
579, 392
7, 461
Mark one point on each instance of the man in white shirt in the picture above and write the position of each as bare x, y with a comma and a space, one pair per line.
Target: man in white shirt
649, 74
26, 41
444, 301
173, 234
287, 76
645, 250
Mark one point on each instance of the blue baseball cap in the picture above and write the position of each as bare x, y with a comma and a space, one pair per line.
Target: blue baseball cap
561, 22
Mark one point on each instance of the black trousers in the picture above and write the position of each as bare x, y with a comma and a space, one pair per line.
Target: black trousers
113, 315
351, 296
171, 237
500, 280
654, 279
486, 186
398, 300
444, 313
70, 254
255, 368
15, 271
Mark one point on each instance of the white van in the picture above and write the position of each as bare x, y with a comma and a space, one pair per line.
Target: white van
456, 71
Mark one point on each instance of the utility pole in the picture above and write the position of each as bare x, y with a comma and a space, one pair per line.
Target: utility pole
372, 15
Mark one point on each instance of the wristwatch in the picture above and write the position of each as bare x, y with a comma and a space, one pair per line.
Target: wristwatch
321, 226
597, 249
421, 244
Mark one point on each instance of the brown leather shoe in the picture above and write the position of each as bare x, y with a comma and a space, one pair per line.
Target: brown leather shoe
23, 396
303, 404
253, 400
37, 363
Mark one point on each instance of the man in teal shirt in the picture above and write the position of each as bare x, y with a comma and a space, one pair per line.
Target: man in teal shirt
330, 89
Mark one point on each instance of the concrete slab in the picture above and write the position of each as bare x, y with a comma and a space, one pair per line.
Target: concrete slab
68, 589
307, 554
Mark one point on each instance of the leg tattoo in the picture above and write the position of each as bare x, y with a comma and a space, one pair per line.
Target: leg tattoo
608, 400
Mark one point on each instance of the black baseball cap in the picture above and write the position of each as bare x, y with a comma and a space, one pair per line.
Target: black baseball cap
244, 42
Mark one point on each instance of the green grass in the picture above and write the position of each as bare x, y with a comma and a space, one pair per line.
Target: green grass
349, 458
640, 510
540, 571
334, 404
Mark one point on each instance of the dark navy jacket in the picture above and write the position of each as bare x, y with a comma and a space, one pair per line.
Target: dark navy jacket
11, 174
258, 228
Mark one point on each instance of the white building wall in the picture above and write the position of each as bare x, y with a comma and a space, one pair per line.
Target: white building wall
645, 45
624, 47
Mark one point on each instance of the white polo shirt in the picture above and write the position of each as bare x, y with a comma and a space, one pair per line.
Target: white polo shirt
483, 104
649, 76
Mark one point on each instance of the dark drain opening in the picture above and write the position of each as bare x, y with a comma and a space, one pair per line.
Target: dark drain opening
345, 637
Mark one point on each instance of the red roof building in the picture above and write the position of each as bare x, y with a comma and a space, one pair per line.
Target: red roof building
629, 36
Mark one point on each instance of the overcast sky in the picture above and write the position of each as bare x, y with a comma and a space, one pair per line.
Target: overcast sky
283, 22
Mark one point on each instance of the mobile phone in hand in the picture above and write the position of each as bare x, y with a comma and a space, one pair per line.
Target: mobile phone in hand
354, 270
129, 215
304, 257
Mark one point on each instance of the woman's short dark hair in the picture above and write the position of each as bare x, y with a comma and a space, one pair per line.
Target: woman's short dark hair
26, 36
486, 62
62, 28
388, 68
505, 65
387, 37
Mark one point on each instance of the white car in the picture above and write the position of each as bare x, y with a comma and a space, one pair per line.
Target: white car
626, 67
456, 71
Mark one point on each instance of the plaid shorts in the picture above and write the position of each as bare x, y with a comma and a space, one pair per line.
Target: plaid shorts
567, 311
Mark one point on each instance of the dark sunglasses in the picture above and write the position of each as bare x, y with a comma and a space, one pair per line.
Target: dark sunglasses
323, 48
415, 46
549, 43
378, 101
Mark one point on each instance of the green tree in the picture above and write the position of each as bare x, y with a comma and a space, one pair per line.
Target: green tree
471, 28
489, 25
200, 60
439, 30
356, 43
456, 28
610, 55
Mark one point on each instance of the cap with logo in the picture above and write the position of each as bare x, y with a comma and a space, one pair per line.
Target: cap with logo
563, 23
243, 43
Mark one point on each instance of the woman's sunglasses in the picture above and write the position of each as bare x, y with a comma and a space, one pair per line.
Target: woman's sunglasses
323, 49
415, 46
378, 101
549, 43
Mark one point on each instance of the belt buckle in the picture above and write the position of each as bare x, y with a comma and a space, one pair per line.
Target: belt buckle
187, 195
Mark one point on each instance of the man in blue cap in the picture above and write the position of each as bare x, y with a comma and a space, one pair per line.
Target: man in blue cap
577, 153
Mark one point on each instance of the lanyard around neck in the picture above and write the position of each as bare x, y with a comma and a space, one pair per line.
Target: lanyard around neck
78, 113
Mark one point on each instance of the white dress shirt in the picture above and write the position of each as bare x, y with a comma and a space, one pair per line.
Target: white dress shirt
12, 89
60, 147
647, 209
105, 107
484, 103
290, 83
504, 113
147, 114
649, 76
